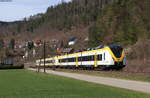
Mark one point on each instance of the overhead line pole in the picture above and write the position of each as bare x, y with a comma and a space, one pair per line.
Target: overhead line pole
44, 55
39, 65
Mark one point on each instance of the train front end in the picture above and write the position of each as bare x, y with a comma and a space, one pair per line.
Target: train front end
118, 55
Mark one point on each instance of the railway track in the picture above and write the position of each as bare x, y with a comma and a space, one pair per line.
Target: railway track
99, 71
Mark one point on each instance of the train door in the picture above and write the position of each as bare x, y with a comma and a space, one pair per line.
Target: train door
95, 60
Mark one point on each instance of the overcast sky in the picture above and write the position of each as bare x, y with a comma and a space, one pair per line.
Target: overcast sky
18, 9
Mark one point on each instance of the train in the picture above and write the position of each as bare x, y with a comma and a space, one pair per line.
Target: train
104, 57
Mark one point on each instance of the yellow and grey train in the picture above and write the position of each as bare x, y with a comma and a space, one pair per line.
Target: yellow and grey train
107, 57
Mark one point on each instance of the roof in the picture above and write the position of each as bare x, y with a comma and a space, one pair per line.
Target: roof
67, 50
73, 39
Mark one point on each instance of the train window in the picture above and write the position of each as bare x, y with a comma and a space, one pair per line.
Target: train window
79, 58
50, 61
99, 57
86, 58
63, 60
66, 60
82, 58
42, 62
71, 59
92, 57
53, 61
59, 60
104, 55
117, 50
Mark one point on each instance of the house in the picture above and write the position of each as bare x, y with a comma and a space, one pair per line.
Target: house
72, 41
68, 50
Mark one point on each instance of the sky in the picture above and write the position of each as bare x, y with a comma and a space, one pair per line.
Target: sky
14, 10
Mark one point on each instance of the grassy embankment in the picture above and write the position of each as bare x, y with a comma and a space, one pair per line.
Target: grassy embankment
27, 84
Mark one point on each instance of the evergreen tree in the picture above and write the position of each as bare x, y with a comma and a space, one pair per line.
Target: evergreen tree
1, 43
30, 45
12, 44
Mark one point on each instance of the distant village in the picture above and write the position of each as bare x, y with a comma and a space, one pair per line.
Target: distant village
16, 53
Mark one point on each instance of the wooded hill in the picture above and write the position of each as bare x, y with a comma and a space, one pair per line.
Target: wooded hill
103, 21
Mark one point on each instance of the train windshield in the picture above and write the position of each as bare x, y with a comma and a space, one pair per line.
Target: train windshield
117, 50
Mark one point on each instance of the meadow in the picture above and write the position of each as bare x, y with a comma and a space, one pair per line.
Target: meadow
28, 84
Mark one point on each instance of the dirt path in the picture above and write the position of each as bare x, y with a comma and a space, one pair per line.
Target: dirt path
128, 84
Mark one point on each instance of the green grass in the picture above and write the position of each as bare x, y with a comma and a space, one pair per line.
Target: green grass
28, 84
